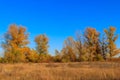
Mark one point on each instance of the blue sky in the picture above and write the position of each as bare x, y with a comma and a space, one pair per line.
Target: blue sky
59, 19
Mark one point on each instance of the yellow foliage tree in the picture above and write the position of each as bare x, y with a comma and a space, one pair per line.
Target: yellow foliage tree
42, 48
79, 45
58, 56
16, 38
68, 52
111, 38
92, 44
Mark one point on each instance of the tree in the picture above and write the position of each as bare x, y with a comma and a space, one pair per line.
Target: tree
42, 44
57, 57
111, 38
15, 39
92, 44
68, 52
42, 48
79, 45
30, 54
104, 48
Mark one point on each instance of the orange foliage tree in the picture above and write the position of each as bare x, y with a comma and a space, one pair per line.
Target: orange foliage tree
16, 38
68, 52
111, 39
92, 44
42, 48
81, 49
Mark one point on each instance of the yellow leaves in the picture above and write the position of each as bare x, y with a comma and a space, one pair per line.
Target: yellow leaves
31, 55
92, 43
89, 47
44, 58
42, 48
13, 31
41, 38
69, 42
15, 40
42, 44
106, 32
91, 34
18, 35
115, 38
112, 29
111, 38
68, 51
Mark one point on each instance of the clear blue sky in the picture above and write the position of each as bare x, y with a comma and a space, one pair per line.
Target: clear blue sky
59, 19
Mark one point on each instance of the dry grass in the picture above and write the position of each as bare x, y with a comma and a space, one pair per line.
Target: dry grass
61, 71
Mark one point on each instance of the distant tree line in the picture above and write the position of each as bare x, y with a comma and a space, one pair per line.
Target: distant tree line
89, 46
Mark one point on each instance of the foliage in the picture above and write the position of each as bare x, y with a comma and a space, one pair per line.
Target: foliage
57, 57
87, 47
16, 38
42, 44
92, 43
68, 52
111, 38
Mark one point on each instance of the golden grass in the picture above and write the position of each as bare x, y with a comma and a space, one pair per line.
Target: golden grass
61, 71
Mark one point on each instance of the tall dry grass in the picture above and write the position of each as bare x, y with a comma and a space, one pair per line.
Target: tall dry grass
61, 71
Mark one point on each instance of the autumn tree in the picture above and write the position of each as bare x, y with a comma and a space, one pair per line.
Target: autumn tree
68, 52
58, 56
111, 38
92, 44
30, 54
79, 45
42, 48
104, 48
42, 44
15, 39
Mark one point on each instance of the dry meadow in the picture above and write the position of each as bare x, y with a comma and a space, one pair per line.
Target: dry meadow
61, 71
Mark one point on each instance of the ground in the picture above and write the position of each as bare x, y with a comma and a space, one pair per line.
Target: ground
61, 71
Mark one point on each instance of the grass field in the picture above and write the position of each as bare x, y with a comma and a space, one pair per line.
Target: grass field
61, 71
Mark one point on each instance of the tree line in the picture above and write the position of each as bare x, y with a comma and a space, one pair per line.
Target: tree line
88, 46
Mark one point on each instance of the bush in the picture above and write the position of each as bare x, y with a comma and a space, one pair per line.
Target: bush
44, 58
99, 58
